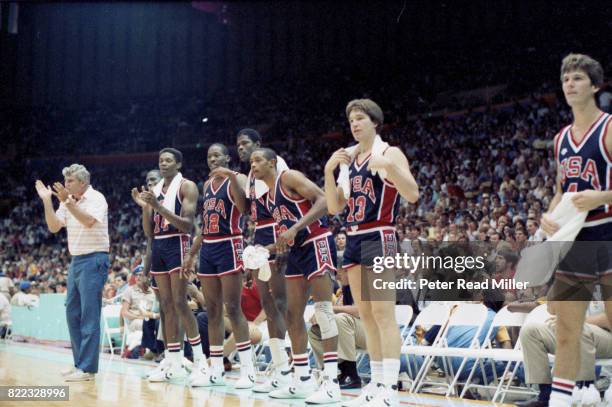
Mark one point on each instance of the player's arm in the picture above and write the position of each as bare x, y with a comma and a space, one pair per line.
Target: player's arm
398, 172
334, 195
549, 226
296, 181
185, 221
591, 199
601, 320
237, 183
146, 263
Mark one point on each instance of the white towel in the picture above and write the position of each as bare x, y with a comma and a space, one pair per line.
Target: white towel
170, 196
343, 181
540, 261
260, 187
256, 258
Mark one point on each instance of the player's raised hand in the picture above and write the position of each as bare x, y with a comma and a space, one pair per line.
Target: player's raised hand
149, 198
136, 197
44, 192
221, 172
340, 156
60, 191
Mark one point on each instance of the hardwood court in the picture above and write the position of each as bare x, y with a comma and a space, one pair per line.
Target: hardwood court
120, 381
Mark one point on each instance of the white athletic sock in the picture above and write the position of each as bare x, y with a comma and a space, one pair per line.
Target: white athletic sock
216, 359
561, 394
376, 371
279, 356
246, 356
330, 363
391, 369
301, 365
196, 346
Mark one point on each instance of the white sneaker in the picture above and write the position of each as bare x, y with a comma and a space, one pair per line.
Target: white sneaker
79, 376
198, 372
274, 381
368, 393
163, 365
328, 392
298, 389
386, 397
167, 374
208, 379
246, 381
69, 371
188, 365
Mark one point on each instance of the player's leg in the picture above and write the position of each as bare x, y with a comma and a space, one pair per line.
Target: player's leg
232, 290
186, 318
172, 341
569, 324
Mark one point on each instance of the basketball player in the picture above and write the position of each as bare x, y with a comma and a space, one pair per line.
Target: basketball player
152, 178
373, 204
221, 266
272, 293
169, 217
583, 151
299, 209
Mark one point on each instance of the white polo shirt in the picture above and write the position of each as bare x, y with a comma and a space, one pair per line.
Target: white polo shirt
81, 239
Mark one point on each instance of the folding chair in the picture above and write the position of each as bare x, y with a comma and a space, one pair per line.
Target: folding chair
538, 314
110, 313
464, 314
503, 318
436, 313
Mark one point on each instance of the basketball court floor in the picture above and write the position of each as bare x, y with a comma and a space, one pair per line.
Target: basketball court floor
120, 381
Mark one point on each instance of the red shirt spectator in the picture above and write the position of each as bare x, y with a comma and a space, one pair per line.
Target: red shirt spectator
250, 302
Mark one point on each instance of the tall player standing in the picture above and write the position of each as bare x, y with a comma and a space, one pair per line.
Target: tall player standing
299, 209
273, 293
221, 266
169, 216
373, 204
583, 152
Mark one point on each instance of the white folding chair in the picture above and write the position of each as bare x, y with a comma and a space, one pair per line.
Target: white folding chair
110, 312
538, 314
503, 318
436, 313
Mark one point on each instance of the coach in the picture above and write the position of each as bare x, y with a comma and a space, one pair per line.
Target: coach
83, 211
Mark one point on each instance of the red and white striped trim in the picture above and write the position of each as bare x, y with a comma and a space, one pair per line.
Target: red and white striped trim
369, 228
264, 223
222, 238
578, 147
156, 237
158, 273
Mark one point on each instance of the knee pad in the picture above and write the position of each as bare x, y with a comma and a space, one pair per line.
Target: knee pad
326, 320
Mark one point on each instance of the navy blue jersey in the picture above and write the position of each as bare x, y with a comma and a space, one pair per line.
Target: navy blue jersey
161, 226
220, 216
372, 202
259, 212
586, 165
287, 211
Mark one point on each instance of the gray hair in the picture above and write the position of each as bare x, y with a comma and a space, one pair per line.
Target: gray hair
78, 171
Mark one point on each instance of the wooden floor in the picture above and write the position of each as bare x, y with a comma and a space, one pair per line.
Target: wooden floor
120, 381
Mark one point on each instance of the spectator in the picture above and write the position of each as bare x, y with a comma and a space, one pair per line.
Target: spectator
137, 306
5, 316
7, 287
23, 298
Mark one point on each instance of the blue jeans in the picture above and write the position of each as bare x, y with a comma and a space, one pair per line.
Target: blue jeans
86, 277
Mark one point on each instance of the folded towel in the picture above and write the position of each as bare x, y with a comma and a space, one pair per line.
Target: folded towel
343, 181
260, 187
170, 196
256, 258
539, 262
